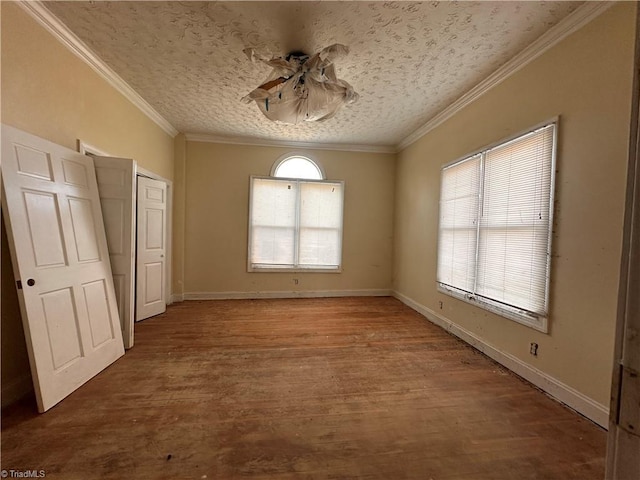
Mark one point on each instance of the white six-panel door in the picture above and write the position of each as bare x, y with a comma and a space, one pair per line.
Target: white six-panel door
116, 186
60, 259
151, 245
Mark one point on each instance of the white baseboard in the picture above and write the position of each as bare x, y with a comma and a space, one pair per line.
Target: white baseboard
15, 389
176, 297
584, 405
286, 294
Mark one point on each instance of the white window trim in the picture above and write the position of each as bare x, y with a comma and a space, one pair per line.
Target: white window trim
518, 315
251, 268
529, 319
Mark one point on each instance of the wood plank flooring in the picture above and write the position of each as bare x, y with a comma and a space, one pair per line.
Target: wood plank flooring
350, 388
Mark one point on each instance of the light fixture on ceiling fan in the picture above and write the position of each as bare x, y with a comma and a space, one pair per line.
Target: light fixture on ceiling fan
301, 88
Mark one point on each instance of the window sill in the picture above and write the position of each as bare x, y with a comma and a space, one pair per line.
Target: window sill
271, 269
537, 323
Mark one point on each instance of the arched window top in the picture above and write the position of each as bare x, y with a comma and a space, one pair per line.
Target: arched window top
297, 166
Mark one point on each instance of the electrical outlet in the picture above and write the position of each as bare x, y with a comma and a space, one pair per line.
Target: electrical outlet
533, 349
295, 281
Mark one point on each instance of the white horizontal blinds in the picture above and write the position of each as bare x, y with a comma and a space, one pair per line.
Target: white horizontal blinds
459, 197
273, 222
320, 224
515, 225
296, 224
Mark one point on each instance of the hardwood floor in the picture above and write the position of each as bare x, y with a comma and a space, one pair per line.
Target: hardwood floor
302, 389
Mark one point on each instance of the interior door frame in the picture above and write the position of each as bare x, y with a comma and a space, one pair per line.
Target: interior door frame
88, 149
143, 172
625, 387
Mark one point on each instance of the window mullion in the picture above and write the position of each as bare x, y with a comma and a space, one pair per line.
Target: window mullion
478, 220
296, 237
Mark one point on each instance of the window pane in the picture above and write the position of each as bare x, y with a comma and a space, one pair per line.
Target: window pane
320, 224
458, 230
298, 167
456, 260
509, 269
273, 222
319, 247
515, 221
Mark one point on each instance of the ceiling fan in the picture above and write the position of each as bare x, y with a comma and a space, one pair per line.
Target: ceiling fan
301, 88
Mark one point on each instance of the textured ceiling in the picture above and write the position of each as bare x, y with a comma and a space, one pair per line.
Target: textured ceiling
408, 60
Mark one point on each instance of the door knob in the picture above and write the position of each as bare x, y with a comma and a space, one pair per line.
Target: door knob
31, 282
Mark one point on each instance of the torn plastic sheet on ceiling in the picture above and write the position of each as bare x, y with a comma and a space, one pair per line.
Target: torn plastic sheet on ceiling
301, 88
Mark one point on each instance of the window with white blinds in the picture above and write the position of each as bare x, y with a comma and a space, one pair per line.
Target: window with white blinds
496, 216
295, 224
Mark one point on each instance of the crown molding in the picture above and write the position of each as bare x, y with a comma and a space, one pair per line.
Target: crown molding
344, 147
59, 30
579, 18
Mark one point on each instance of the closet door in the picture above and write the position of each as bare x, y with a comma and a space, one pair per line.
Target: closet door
151, 295
116, 184
61, 263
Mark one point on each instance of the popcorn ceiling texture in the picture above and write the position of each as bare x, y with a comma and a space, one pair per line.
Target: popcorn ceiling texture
408, 61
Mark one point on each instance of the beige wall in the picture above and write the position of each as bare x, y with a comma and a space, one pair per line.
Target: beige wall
49, 92
217, 206
586, 79
179, 172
